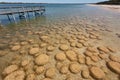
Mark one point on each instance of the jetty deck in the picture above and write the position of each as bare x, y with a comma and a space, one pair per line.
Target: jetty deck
21, 11
15, 10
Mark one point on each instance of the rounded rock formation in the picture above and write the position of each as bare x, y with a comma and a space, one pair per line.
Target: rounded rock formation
15, 48
40, 70
60, 56
114, 66
30, 77
50, 73
25, 62
71, 55
42, 59
50, 48
75, 68
104, 49
64, 47
85, 74
17, 75
46, 79
114, 58
97, 73
10, 69
64, 70
34, 51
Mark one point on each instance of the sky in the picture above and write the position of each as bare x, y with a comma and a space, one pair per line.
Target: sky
54, 1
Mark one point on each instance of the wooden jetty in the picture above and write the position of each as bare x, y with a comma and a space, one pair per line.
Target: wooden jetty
23, 12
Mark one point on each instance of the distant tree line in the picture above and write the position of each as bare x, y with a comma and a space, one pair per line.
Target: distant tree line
117, 2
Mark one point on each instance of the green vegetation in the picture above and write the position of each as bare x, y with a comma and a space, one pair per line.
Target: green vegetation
116, 2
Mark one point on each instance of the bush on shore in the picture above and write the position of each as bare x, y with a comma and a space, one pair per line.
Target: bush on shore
111, 2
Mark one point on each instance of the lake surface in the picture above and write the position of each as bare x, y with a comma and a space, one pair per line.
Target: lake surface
54, 11
68, 42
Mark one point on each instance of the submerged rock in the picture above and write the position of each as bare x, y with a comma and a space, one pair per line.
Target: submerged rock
97, 73
16, 47
40, 69
71, 55
88, 61
103, 56
59, 65
46, 79
10, 69
88, 53
92, 49
50, 48
43, 45
104, 49
85, 74
81, 59
94, 58
42, 59
73, 44
64, 47
114, 66
25, 62
30, 77
64, 70
111, 49
33, 51
50, 73
75, 68
60, 56
2, 53
114, 58
79, 45
17, 75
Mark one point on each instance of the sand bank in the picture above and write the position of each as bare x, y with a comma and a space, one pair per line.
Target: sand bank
110, 7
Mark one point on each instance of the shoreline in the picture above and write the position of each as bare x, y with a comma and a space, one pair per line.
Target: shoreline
108, 7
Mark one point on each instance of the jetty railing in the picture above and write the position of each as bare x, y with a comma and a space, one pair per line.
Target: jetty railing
21, 11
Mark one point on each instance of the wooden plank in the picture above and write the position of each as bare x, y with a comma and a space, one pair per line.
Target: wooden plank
20, 7
20, 10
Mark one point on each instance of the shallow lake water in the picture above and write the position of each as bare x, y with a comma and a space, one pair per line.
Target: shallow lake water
68, 42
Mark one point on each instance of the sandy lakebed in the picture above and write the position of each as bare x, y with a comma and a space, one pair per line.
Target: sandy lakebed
68, 49
110, 7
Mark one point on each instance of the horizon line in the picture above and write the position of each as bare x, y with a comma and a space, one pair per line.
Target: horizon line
48, 3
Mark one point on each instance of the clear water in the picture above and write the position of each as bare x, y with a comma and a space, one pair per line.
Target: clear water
61, 23
55, 11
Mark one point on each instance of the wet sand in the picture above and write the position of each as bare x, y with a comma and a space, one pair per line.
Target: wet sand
110, 7
64, 50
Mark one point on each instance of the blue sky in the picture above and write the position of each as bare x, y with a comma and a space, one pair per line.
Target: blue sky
54, 1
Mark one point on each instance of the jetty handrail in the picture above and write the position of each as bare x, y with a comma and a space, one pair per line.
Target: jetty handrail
20, 7
22, 11
13, 10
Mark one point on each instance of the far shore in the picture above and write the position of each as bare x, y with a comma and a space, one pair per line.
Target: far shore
109, 7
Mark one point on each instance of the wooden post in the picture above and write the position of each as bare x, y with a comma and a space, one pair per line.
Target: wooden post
13, 15
42, 10
20, 16
8, 17
0, 24
14, 18
28, 15
24, 13
33, 12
